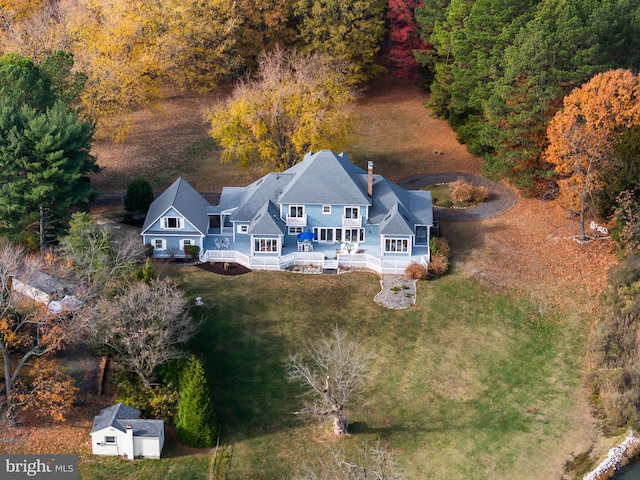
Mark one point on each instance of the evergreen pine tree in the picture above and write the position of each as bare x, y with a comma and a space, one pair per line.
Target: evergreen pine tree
196, 425
139, 196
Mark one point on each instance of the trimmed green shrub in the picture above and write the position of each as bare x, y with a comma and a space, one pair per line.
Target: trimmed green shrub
196, 425
139, 196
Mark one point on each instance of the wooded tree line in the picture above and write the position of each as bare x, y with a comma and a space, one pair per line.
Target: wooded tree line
498, 70
127, 51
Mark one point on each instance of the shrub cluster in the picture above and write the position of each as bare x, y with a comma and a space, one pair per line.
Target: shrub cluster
415, 271
160, 401
464, 192
613, 351
440, 252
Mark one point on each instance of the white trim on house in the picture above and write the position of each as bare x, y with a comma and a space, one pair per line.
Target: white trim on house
163, 243
186, 241
266, 245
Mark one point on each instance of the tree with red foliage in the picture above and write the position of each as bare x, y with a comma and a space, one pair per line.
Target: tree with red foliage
404, 37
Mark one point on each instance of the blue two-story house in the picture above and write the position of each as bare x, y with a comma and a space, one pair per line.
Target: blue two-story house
347, 217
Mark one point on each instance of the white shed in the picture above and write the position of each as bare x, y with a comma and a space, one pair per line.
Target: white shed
119, 430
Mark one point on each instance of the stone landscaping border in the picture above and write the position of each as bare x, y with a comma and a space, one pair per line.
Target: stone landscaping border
617, 458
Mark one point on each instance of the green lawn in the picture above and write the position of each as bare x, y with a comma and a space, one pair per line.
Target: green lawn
469, 383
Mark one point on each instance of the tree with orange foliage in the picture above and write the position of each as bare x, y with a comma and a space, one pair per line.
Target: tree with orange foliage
582, 136
46, 392
26, 332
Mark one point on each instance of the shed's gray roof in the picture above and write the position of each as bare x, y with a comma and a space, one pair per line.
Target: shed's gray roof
110, 416
120, 416
143, 428
182, 196
325, 178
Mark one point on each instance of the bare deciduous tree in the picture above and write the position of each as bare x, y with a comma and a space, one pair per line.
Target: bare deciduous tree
335, 374
375, 464
144, 326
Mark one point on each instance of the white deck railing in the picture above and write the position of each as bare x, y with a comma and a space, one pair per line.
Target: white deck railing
386, 266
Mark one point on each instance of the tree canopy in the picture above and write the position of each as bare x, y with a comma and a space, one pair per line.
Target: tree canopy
296, 103
143, 327
501, 69
44, 149
582, 136
349, 31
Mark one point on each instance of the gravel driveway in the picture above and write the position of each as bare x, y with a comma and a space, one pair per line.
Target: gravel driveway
501, 200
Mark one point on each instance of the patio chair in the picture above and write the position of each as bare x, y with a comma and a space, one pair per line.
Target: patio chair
300, 246
354, 248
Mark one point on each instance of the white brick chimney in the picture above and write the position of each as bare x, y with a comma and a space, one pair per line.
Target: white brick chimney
128, 444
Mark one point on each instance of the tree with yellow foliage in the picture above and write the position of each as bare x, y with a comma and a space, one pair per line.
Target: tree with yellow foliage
297, 103
33, 28
582, 136
265, 24
128, 50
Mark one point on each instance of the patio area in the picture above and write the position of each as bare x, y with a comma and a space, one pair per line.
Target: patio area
322, 256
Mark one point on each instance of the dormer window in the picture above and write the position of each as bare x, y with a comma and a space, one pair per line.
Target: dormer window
172, 223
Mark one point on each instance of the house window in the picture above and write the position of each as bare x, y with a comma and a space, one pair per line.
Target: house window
159, 243
110, 440
326, 209
353, 234
266, 245
296, 211
324, 234
243, 229
351, 212
172, 223
396, 245
295, 230
185, 243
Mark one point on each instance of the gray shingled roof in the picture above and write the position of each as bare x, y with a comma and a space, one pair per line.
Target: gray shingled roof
143, 428
325, 178
267, 221
397, 210
108, 417
254, 196
120, 416
182, 196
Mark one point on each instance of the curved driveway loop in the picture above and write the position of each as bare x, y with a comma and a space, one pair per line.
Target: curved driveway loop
501, 200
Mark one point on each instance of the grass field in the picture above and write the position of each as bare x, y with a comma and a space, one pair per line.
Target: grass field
468, 384
481, 379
